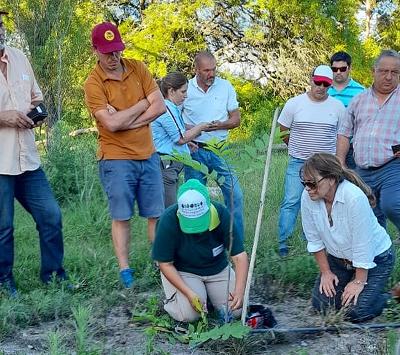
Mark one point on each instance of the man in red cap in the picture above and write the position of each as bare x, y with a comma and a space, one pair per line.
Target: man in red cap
312, 119
123, 98
21, 176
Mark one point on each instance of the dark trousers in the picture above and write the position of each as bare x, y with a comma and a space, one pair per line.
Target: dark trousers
170, 171
385, 184
33, 192
371, 300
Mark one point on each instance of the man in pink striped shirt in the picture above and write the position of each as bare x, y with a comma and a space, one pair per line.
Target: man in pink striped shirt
373, 118
21, 176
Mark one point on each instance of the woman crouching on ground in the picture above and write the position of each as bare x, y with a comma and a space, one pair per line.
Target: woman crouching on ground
192, 238
354, 253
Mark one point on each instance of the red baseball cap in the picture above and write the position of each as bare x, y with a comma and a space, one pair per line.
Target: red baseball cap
323, 73
106, 38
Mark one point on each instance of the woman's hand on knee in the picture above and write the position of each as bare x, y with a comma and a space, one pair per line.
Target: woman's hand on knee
351, 292
327, 284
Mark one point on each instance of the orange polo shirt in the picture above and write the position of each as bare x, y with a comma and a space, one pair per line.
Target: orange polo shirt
135, 85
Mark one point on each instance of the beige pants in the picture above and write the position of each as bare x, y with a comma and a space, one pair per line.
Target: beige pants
178, 306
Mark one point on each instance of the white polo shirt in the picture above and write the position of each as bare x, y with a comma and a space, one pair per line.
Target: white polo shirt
213, 105
355, 234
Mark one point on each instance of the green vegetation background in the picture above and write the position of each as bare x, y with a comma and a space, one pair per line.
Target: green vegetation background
284, 38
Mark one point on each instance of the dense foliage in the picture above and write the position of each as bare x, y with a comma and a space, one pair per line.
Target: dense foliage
270, 46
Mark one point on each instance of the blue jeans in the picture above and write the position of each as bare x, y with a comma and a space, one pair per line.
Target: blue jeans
214, 162
291, 200
371, 300
385, 184
33, 192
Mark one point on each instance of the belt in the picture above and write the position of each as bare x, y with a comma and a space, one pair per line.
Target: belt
346, 262
372, 168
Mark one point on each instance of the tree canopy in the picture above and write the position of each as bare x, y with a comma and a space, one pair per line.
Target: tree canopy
270, 46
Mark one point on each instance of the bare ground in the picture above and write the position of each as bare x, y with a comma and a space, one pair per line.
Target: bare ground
116, 334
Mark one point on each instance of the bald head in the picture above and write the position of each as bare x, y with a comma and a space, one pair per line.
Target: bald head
205, 68
202, 56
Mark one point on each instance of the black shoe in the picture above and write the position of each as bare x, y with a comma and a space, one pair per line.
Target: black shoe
8, 286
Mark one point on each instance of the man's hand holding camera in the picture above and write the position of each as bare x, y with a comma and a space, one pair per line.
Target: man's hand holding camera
15, 119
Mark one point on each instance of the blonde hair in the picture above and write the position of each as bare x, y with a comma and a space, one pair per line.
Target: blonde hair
328, 166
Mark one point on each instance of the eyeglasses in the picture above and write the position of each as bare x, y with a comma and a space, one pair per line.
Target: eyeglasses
341, 69
323, 83
311, 184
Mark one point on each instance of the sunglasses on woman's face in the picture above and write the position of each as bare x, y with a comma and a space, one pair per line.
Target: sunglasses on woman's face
323, 83
312, 185
341, 69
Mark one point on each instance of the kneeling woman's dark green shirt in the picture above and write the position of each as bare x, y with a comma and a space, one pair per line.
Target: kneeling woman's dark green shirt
202, 254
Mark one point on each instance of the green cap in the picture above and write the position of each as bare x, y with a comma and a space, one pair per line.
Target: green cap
193, 207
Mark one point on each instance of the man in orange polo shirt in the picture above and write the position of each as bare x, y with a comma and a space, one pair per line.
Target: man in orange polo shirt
124, 98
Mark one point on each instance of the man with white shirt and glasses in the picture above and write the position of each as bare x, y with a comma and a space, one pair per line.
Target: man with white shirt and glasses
373, 119
312, 118
21, 176
212, 100
344, 88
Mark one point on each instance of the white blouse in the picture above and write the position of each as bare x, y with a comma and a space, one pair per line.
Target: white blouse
355, 234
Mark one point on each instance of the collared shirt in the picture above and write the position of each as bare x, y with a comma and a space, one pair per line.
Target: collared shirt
375, 128
135, 85
353, 88
213, 105
355, 234
167, 131
17, 92
313, 125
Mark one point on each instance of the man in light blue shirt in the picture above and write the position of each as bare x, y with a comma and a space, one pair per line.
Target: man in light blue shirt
212, 99
344, 88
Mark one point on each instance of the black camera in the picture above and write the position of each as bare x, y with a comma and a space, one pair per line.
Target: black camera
39, 113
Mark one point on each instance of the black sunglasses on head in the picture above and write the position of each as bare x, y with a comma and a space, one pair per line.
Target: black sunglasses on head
341, 69
323, 83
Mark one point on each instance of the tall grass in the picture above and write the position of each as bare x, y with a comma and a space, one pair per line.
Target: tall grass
89, 258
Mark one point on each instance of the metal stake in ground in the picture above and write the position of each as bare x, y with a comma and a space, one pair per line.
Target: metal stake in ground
259, 217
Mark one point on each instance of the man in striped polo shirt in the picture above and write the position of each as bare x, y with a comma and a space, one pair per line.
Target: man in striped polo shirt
373, 119
344, 89
312, 119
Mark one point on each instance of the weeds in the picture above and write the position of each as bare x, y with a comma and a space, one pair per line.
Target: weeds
91, 264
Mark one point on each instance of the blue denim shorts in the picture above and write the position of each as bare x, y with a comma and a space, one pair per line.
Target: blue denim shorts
127, 181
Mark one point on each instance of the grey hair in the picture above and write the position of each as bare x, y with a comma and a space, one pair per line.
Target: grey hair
386, 53
201, 55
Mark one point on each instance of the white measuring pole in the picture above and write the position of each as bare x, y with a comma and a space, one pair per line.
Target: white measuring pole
259, 217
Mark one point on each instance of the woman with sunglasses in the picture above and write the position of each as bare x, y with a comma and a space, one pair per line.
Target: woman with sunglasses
353, 252
169, 133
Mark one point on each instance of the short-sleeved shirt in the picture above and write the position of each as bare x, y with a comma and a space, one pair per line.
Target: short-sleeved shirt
136, 84
375, 128
17, 146
353, 88
167, 131
313, 125
355, 234
202, 254
213, 105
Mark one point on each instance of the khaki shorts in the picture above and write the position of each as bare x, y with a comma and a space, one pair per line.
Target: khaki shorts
214, 286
